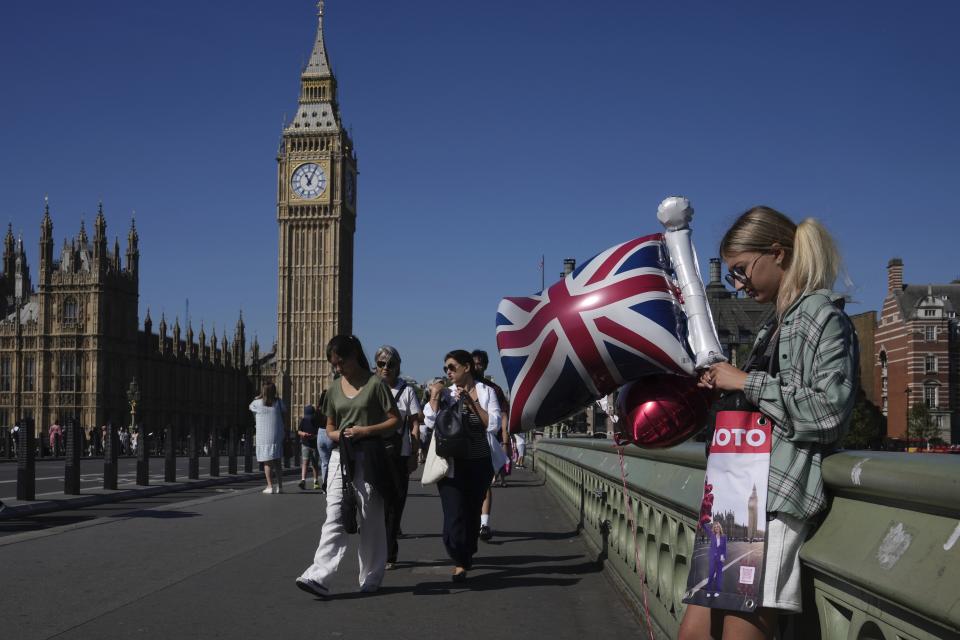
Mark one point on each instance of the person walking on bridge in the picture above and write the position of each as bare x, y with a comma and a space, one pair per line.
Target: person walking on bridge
268, 410
502, 437
360, 413
404, 444
462, 495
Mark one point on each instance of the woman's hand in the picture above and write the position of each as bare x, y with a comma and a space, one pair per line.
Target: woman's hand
356, 432
436, 390
723, 376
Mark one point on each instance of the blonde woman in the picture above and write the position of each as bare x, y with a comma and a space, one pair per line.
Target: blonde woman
809, 398
268, 410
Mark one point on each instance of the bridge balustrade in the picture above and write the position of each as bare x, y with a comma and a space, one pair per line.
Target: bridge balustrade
884, 563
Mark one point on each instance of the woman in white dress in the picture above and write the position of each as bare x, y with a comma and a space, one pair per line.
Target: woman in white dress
268, 410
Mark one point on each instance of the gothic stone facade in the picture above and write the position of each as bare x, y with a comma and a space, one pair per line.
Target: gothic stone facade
70, 347
916, 349
316, 214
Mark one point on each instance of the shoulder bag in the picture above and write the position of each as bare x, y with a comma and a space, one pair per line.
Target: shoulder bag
449, 434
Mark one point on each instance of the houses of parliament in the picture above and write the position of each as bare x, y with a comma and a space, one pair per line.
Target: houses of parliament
71, 341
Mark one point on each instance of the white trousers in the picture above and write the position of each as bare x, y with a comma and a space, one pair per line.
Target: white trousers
333, 539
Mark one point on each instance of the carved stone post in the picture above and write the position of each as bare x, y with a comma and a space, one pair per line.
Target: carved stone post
71, 469
26, 469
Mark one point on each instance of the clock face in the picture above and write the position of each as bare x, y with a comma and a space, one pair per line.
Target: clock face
309, 181
350, 188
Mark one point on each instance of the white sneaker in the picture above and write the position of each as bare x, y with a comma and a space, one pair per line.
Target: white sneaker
277, 489
268, 490
312, 587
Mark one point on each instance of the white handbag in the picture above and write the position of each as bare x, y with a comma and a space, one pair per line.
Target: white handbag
435, 468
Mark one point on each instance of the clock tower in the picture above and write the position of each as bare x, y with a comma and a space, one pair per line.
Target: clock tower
316, 215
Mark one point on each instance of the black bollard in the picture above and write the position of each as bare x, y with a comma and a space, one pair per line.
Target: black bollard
248, 451
26, 469
143, 458
193, 466
71, 469
111, 450
214, 452
232, 450
170, 455
287, 450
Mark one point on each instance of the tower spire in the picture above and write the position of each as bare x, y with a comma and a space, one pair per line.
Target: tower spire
319, 64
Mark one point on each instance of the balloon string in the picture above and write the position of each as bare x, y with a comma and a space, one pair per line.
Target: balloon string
636, 547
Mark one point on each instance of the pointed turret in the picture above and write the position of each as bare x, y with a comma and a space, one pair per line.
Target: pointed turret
177, 345
116, 254
162, 337
133, 247
224, 348
239, 340
191, 347
21, 273
9, 256
100, 240
148, 324
46, 243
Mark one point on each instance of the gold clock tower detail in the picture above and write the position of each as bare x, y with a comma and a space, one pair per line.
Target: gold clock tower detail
316, 214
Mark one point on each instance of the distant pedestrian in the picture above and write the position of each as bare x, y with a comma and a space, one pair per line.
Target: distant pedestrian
125, 441
462, 495
55, 433
360, 411
268, 411
520, 447
309, 453
404, 444
502, 437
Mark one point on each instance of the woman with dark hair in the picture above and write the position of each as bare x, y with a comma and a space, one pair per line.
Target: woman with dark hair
268, 410
360, 413
462, 495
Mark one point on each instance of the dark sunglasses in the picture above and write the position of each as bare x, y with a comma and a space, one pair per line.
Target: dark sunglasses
450, 367
739, 274
384, 365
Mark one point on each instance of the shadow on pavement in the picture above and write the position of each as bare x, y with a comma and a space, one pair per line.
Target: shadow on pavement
159, 515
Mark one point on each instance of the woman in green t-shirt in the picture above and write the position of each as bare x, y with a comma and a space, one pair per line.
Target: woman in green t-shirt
360, 411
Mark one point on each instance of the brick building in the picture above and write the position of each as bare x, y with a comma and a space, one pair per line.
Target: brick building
916, 353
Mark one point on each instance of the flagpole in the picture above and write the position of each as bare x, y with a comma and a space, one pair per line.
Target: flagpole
542, 284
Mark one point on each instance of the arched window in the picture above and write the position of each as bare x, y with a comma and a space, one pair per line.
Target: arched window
69, 311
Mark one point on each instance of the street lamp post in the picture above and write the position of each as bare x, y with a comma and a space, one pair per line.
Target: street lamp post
143, 446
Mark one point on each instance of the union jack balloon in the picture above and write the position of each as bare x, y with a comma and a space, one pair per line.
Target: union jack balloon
614, 319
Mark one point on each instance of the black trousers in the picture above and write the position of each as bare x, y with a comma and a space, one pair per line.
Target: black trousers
393, 509
462, 498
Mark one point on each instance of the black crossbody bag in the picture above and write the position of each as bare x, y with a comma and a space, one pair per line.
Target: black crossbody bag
449, 432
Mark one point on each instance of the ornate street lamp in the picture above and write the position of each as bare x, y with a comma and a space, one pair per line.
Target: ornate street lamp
133, 397
143, 447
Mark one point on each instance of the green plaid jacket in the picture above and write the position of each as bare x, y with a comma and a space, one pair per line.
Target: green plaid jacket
810, 400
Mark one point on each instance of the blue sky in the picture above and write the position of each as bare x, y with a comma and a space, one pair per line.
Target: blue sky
487, 133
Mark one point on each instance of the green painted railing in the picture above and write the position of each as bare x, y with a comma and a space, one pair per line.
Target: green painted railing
883, 565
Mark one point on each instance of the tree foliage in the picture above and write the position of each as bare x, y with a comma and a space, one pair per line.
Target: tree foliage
920, 424
867, 424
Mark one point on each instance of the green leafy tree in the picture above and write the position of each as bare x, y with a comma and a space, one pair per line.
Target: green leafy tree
866, 424
920, 424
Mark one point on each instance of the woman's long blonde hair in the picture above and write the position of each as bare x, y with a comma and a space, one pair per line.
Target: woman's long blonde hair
812, 261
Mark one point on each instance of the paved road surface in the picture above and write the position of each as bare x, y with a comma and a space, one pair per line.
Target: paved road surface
222, 565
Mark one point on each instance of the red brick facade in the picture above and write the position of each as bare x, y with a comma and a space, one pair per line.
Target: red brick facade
915, 353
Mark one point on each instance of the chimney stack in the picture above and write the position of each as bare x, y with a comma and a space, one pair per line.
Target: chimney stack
714, 271
895, 275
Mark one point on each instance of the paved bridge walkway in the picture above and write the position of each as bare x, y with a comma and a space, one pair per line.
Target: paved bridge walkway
220, 562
